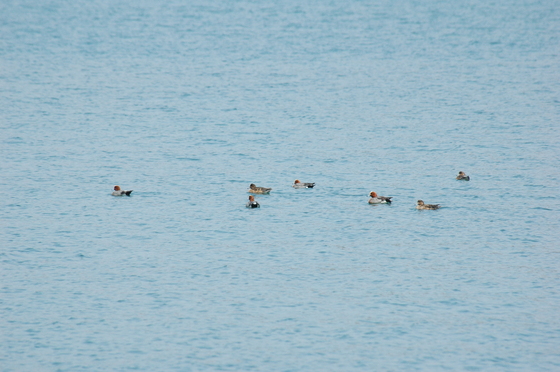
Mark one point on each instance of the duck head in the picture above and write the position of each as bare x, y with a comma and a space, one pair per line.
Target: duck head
373, 194
117, 188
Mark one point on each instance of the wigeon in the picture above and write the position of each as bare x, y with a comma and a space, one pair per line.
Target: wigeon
421, 205
375, 199
252, 203
303, 185
463, 177
119, 192
258, 190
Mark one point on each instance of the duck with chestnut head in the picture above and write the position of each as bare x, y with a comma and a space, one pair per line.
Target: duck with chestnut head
118, 192
303, 185
252, 203
376, 199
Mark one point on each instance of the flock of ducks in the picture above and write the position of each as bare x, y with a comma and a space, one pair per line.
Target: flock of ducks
374, 198
252, 203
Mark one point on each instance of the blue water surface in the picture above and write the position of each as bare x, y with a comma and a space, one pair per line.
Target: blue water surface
188, 102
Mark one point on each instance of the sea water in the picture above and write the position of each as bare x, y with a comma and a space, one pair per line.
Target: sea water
189, 102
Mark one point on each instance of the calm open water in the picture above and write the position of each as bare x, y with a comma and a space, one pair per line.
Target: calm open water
188, 102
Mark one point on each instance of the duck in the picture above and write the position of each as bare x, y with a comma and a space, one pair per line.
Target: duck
463, 177
375, 199
252, 203
303, 185
421, 205
258, 190
119, 192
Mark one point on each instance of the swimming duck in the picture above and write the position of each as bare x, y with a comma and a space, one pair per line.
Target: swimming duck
252, 203
303, 185
119, 192
421, 205
375, 199
463, 177
258, 190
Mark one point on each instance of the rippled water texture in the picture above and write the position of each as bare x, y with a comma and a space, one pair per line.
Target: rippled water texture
187, 103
